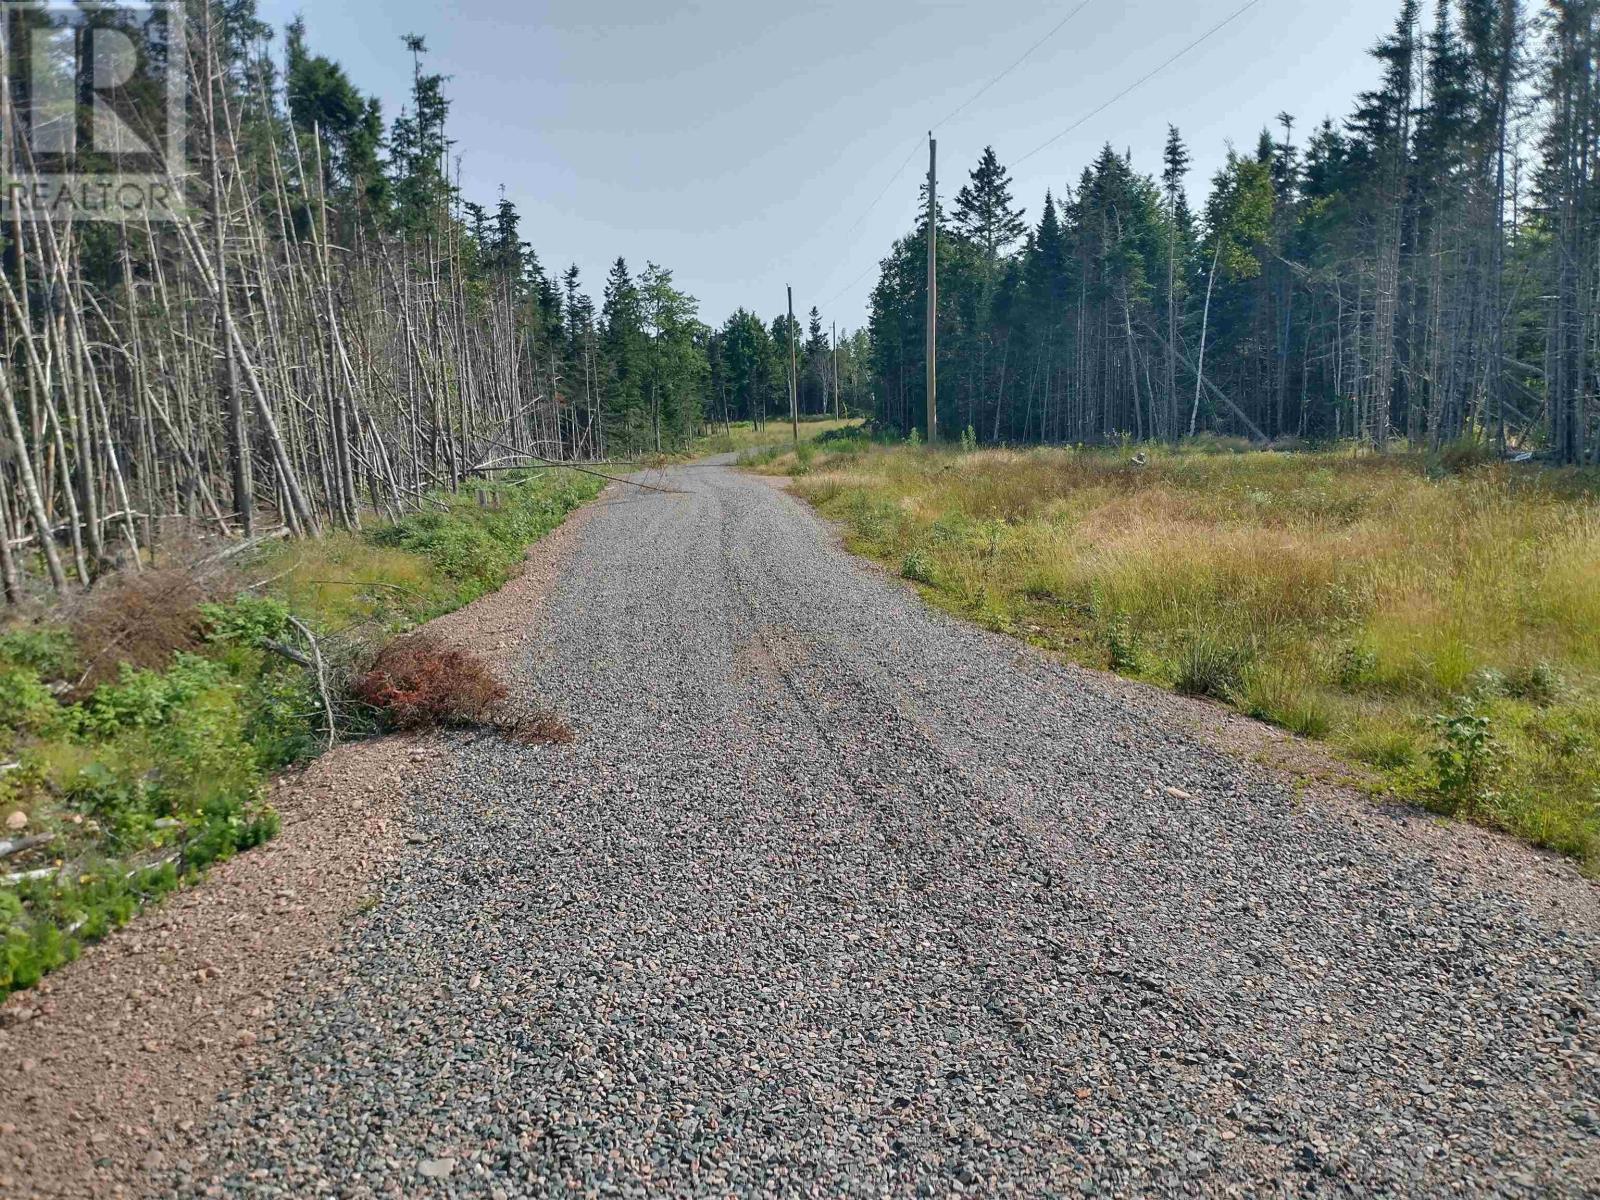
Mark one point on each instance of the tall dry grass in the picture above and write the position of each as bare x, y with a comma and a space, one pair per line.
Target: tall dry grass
1348, 596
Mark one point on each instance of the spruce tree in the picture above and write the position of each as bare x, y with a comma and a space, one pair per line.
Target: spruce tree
984, 213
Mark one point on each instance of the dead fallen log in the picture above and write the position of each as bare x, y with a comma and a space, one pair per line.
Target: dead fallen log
18, 845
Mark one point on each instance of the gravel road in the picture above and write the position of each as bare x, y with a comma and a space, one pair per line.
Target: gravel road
834, 895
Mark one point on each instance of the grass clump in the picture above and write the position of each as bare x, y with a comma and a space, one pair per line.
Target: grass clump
140, 730
1344, 595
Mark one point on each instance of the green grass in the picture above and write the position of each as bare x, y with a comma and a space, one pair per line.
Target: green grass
744, 439
1363, 600
148, 779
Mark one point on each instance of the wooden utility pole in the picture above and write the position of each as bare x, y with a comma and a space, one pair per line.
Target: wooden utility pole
794, 380
933, 289
838, 405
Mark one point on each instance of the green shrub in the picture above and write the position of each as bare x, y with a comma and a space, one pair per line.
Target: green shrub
919, 567
26, 705
248, 621
1466, 761
47, 650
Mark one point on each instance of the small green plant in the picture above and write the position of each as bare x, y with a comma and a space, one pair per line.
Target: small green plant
918, 567
1357, 667
1487, 682
914, 438
1466, 760
1122, 645
1539, 684
969, 440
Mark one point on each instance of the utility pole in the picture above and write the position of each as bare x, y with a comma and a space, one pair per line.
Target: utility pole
794, 389
933, 288
838, 405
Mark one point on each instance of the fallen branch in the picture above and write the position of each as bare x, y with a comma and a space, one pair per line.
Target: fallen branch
25, 876
18, 845
322, 681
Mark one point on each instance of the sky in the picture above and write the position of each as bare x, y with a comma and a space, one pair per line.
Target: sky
742, 143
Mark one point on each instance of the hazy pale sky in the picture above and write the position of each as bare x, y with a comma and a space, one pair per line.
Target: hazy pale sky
740, 142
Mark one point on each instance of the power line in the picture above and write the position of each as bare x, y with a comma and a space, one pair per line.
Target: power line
1081, 121
960, 108
1026, 54
1138, 83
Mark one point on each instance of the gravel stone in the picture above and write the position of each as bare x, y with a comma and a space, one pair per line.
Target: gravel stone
833, 895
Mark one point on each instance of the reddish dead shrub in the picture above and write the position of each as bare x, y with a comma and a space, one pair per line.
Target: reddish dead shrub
418, 682
142, 619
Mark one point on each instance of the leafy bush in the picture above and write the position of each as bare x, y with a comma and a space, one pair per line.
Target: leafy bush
919, 567
1466, 760
26, 705
247, 621
46, 649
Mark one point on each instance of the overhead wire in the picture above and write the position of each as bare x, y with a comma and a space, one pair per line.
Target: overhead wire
945, 120
1142, 80
1079, 123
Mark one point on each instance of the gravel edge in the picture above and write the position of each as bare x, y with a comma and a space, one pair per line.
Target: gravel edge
110, 1062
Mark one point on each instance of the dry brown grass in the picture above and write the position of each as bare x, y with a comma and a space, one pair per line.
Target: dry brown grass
139, 619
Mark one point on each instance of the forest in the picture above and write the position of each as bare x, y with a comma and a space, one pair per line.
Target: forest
1423, 271
327, 331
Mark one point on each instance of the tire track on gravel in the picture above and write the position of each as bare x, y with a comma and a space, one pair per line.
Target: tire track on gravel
834, 895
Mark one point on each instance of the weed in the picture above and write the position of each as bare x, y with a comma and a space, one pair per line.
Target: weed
1211, 667
1541, 683
1466, 760
969, 440
918, 567
1357, 667
542, 728
1122, 646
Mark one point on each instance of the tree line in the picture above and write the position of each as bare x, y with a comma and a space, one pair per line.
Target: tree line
327, 329
1424, 270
